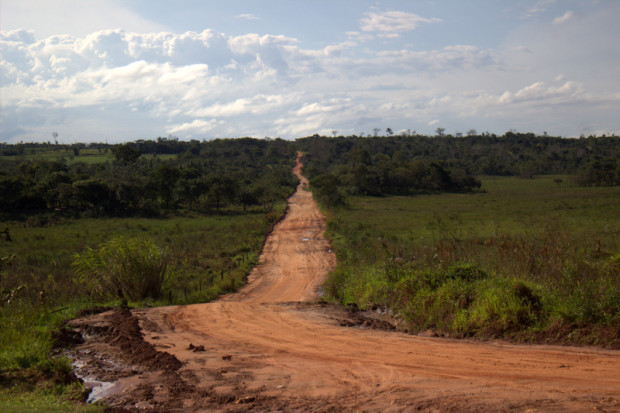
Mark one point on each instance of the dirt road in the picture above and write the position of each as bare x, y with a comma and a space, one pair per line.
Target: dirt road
269, 348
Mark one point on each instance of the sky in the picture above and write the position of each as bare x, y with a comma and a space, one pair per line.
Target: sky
122, 70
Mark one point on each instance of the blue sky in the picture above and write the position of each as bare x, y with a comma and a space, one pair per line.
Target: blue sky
94, 70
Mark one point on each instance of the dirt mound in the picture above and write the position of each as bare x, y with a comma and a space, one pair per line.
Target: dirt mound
606, 336
126, 334
66, 337
94, 310
351, 316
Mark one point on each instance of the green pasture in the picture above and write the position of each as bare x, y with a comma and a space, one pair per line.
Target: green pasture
506, 205
517, 259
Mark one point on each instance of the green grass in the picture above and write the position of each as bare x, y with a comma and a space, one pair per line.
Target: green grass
210, 255
549, 251
509, 205
33, 391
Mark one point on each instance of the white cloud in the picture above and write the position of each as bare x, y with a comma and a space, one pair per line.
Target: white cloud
248, 16
537, 9
538, 91
197, 126
563, 18
458, 57
243, 106
391, 23
522, 49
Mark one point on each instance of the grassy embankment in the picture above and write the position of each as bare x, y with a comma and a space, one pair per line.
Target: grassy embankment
526, 260
210, 255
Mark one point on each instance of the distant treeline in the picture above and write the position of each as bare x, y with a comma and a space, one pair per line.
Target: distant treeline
410, 164
150, 177
204, 176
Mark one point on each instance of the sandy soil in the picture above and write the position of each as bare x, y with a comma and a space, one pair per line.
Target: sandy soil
273, 347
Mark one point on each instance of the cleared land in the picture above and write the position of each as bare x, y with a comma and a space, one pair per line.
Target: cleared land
268, 348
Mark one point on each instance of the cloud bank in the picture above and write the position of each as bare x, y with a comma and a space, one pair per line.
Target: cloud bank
119, 85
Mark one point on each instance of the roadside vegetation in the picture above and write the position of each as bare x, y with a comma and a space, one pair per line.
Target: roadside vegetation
526, 260
173, 228
512, 236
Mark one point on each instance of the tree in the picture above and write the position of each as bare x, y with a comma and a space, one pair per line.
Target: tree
221, 188
360, 157
165, 178
389, 131
600, 172
91, 192
190, 186
125, 153
246, 196
327, 189
11, 189
440, 131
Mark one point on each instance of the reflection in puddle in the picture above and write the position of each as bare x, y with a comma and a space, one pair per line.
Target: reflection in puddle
98, 389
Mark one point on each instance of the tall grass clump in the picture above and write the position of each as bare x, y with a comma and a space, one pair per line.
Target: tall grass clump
131, 269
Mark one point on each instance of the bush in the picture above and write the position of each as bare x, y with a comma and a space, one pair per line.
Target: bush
130, 269
500, 306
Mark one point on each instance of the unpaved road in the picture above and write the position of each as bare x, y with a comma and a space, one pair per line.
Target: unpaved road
265, 351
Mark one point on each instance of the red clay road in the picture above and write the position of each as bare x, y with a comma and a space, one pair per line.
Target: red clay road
264, 352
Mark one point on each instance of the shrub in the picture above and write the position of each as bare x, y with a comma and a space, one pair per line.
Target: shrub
122, 268
500, 306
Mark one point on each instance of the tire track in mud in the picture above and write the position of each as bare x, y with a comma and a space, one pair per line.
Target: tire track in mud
269, 348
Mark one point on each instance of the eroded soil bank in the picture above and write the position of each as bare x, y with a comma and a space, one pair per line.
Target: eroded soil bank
274, 347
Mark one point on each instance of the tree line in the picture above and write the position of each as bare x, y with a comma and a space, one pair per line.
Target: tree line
203, 176
408, 164
517, 154
151, 177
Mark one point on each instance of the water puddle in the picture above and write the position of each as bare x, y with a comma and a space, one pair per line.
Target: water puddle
98, 389
320, 292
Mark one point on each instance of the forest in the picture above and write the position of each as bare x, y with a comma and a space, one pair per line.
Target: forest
143, 178
405, 165
150, 178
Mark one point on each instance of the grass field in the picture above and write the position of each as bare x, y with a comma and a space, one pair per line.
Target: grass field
521, 256
210, 255
508, 205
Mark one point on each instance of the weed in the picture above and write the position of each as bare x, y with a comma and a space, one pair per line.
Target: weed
133, 269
